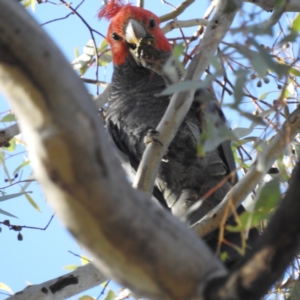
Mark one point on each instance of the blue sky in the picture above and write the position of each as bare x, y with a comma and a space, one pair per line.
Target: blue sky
42, 255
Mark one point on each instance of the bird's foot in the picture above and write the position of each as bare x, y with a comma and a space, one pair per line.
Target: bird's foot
151, 137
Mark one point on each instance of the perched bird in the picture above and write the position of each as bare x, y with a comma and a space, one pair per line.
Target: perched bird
139, 51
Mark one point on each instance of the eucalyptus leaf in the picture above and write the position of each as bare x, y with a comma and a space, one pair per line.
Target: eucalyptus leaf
110, 295
6, 213
267, 201
11, 196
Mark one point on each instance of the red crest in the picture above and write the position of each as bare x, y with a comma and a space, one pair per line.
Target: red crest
111, 9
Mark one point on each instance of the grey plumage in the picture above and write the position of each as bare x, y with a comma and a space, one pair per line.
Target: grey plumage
140, 51
183, 177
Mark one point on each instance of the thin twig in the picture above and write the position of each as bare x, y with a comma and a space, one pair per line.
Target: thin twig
63, 18
182, 24
20, 227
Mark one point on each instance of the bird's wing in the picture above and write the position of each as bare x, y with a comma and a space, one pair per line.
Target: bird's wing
118, 136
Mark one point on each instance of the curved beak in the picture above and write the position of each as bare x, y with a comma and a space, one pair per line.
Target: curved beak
134, 32
141, 44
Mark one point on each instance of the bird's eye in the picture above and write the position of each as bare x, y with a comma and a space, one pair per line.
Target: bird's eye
116, 37
152, 24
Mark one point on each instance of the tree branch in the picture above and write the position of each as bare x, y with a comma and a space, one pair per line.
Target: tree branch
267, 261
6, 134
179, 10
269, 5
63, 287
83, 180
140, 3
246, 184
181, 24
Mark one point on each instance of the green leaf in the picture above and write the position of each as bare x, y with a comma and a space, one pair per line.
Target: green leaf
257, 120
76, 52
84, 260
213, 134
296, 23
294, 71
5, 287
261, 60
2, 157
178, 50
105, 59
11, 196
32, 202
224, 256
241, 78
241, 163
70, 267
264, 96
267, 201
33, 5
241, 131
12, 145
103, 46
26, 3
81, 62
21, 166
8, 118
6, 213
86, 297
110, 295
289, 38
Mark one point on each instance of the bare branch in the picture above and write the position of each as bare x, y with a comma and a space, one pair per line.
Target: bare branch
63, 287
95, 81
246, 184
6, 134
83, 180
179, 10
140, 3
181, 24
181, 101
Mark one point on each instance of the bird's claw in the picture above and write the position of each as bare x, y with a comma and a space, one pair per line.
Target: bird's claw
151, 137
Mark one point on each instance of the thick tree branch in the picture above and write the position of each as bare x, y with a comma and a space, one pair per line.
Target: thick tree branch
248, 183
82, 179
63, 287
268, 260
6, 134
181, 101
